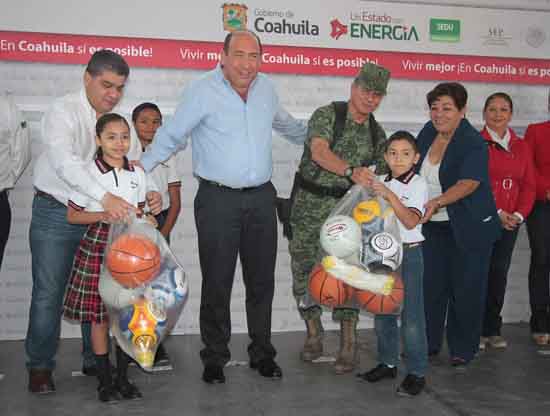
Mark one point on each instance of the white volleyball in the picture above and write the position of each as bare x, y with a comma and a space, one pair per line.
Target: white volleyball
340, 236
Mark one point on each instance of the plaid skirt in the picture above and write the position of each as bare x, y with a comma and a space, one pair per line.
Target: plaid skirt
82, 301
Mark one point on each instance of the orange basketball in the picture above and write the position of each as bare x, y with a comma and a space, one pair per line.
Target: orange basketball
382, 304
326, 289
133, 259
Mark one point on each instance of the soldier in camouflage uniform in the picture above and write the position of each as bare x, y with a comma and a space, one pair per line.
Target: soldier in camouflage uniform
325, 168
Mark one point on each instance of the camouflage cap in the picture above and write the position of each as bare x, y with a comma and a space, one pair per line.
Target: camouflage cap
373, 77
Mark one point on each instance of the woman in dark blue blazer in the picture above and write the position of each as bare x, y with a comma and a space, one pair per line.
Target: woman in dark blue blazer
460, 224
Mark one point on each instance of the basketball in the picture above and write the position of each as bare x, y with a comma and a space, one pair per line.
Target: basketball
133, 260
326, 289
340, 236
382, 304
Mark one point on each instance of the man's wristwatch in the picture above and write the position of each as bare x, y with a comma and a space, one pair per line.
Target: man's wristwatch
348, 172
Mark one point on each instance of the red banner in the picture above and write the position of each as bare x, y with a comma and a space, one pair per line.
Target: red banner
160, 53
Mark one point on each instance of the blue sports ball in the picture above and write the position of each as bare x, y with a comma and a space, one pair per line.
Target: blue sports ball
168, 289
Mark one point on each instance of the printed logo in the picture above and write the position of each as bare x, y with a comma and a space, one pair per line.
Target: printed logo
338, 29
535, 37
370, 25
234, 16
133, 185
496, 37
444, 30
282, 22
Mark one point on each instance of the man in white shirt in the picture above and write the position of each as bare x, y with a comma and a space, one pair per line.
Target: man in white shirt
15, 155
68, 136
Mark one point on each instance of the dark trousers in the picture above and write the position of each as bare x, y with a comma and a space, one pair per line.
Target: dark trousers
538, 231
5, 222
230, 223
498, 276
455, 285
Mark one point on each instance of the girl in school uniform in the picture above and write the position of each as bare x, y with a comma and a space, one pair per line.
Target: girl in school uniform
147, 118
82, 300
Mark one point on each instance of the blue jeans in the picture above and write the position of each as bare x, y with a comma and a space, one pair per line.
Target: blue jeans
53, 243
413, 324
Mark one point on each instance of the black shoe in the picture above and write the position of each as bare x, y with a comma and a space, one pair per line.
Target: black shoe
411, 385
213, 374
267, 368
128, 390
108, 393
378, 373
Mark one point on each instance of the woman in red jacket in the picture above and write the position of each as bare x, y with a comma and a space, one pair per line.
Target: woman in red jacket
513, 183
538, 231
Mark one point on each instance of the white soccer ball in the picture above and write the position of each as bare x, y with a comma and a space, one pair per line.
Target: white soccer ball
340, 236
382, 251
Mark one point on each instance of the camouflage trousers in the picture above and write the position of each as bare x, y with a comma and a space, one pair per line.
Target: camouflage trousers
308, 214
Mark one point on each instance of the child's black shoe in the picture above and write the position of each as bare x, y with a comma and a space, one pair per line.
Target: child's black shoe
107, 393
128, 390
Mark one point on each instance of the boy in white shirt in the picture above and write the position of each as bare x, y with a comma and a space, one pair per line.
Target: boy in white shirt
147, 118
407, 193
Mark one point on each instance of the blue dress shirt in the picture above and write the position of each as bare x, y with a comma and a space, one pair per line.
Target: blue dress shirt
231, 139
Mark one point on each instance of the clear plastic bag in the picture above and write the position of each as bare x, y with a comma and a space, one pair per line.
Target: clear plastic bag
361, 253
143, 287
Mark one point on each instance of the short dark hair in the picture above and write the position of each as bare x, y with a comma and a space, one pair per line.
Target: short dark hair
455, 90
227, 40
145, 106
401, 135
502, 95
107, 60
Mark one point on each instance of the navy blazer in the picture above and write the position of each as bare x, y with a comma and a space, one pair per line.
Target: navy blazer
474, 219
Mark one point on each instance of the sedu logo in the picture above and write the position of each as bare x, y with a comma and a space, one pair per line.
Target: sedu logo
444, 30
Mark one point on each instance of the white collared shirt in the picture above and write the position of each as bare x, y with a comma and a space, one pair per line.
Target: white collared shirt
129, 183
15, 151
503, 141
412, 191
68, 134
165, 176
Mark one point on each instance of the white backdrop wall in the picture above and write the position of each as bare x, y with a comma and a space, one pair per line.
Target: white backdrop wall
35, 85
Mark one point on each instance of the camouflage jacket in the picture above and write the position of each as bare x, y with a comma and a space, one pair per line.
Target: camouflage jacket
355, 147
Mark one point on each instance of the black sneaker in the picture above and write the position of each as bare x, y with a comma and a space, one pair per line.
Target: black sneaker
267, 368
378, 373
128, 390
411, 386
213, 374
108, 393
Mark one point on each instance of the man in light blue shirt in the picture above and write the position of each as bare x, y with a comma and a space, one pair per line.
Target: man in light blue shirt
230, 113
